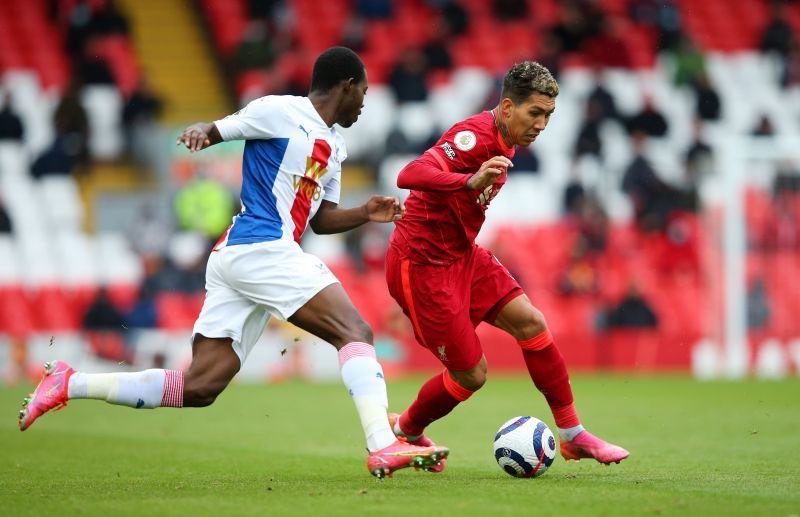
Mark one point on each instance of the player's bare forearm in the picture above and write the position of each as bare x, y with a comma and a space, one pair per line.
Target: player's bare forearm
332, 219
199, 136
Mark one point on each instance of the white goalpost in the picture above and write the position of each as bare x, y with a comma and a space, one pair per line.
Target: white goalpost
734, 156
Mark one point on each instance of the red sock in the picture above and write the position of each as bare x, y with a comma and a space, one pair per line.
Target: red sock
549, 373
436, 398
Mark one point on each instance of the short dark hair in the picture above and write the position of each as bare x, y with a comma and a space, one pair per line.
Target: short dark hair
334, 65
527, 78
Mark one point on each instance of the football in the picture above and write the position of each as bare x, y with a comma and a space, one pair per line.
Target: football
524, 447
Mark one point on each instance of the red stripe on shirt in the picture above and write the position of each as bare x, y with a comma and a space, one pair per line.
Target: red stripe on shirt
308, 185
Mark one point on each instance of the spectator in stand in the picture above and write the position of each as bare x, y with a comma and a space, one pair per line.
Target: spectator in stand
649, 121
699, 156
549, 53
92, 66
661, 15
102, 314
70, 145
579, 21
602, 99
6, 227
374, 9
78, 20
785, 227
108, 20
436, 49
764, 127
255, 50
648, 193
633, 311
204, 206
588, 140
758, 311
510, 10
580, 274
105, 326
10, 123
778, 34
573, 196
583, 210
408, 80
608, 48
708, 105
139, 117
593, 223
790, 76
264, 9
354, 34
454, 16
690, 62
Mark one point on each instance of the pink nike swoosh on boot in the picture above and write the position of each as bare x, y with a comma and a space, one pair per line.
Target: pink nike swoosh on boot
587, 445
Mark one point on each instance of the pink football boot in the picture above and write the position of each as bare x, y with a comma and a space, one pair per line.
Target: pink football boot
400, 455
49, 394
587, 445
422, 441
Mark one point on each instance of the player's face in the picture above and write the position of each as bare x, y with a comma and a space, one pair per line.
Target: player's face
352, 102
529, 118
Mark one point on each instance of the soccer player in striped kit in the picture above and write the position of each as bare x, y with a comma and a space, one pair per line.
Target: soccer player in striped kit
291, 178
447, 285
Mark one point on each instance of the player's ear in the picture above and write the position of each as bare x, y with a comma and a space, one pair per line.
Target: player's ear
506, 107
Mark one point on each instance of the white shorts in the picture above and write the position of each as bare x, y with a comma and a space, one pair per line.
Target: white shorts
248, 283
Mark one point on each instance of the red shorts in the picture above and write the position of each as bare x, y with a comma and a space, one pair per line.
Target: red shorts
446, 303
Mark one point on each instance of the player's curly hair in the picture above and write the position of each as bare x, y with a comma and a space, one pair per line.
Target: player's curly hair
526, 78
334, 65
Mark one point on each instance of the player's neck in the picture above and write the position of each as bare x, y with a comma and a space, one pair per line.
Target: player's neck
325, 105
502, 128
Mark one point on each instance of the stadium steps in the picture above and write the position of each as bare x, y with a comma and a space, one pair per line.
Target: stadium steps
176, 57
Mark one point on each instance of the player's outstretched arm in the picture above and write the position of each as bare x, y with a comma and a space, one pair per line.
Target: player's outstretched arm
199, 136
332, 219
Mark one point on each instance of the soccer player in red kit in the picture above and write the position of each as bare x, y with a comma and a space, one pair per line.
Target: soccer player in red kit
447, 285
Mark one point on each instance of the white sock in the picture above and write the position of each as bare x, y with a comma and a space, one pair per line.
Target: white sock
363, 377
137, 390
570, 432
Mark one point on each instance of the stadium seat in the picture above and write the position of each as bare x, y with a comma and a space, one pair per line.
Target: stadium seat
103, 105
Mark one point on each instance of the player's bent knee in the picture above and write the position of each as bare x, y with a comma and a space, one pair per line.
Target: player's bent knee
472, 379
357, 330
533, 325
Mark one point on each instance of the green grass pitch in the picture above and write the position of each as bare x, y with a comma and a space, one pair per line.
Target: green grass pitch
296, 449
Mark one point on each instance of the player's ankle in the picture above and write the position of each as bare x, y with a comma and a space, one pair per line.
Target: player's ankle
568, 434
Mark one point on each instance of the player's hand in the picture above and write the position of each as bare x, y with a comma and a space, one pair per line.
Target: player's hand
194, 138
383, 209
489, 173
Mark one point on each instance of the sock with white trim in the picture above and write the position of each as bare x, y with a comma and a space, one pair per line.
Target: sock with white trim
363, 377
147, 389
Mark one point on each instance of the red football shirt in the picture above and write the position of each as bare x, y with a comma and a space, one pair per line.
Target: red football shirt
443, 216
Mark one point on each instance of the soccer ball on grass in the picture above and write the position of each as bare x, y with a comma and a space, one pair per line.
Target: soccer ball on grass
524, 447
